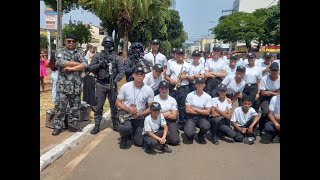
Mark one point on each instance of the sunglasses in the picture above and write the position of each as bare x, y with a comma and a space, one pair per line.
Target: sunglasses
71, 41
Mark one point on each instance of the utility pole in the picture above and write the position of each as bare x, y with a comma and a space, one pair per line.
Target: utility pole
59, 9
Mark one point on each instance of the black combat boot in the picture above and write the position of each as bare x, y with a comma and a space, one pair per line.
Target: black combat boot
56, 131
74, 128
123, 143
115, 124
201, 139
96, 129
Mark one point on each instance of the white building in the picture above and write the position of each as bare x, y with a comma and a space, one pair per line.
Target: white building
251, 5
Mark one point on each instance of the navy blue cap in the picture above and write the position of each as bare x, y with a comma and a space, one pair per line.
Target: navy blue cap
139, 69
251, 55
234, 57
180, 51
222, 86
196, 53
155, 106
200, 80
158, 67
164, 84
241, 68
70, 36
274, 66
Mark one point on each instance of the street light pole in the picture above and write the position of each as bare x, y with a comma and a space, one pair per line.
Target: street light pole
59, 39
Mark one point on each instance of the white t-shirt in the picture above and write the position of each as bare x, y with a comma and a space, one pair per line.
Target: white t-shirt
166, 104
214, 65
232, 86
275, 104
150, 81
222, 105
231, 71
153, 124
202, 101
159, 58
240, 62
269, 85
138, 96
240, 118
252, 74
170, 61
196, 69
259, 62
174, 69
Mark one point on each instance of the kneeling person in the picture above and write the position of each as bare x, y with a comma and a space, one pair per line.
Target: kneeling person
169, 111
221, 113
198, 107
155, 130
244, 119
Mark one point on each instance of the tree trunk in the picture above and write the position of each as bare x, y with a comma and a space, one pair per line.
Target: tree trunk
248, 46
117, 39
125, 44
109, 31
258, 46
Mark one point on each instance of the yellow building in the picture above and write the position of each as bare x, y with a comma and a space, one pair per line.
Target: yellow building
204, 42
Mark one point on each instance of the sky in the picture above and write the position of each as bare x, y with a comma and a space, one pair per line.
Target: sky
195, 15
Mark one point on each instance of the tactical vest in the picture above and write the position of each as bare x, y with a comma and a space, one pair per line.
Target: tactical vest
103, 73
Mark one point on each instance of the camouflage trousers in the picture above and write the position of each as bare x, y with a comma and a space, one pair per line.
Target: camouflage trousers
62, 101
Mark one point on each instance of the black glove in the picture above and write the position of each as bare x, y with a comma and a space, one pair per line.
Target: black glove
102, 64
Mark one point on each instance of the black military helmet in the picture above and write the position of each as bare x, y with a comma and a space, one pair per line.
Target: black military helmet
136, 45
107, 41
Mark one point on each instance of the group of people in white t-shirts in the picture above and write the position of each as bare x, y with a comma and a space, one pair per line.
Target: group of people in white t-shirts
201, 93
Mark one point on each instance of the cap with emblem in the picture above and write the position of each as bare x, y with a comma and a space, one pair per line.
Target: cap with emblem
155, 106
158, 67
200, 80
274, 66
180, 51
222, 87
164, 84
267, 55
251, 55
234, 57
196, 53
138, 69
70, 36
155, 41
241, 68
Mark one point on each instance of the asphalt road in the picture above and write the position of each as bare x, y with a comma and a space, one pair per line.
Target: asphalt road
99, 158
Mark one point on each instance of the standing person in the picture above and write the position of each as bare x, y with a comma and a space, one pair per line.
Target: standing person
271, 129
134, 100
221, 113
54, 75
156, 57
252, 79
244, 119
103, 65
231, 67
235, 83
215, 70
197, 69
154, 78
266, 64
70, 64
178, 75
155, 130
269, 87
134, 60
173, 56
198, 107
43, 69
89, 81
169, 111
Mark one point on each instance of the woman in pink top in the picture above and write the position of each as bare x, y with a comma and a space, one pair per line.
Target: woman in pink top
43, 70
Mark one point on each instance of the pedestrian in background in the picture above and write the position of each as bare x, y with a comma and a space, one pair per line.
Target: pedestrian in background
43, 70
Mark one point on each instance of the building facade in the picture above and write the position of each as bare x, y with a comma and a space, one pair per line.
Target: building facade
251, 5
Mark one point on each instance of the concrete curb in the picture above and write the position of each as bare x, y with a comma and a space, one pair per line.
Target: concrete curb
66, 145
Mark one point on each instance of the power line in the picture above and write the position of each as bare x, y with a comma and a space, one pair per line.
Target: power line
271, 3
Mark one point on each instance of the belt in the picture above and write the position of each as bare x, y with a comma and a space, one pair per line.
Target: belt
251, 84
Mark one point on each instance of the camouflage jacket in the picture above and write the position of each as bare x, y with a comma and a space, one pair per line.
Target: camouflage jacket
69, 82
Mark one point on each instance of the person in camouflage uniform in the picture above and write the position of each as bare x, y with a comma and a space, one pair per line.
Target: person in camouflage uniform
104, 65
70, 64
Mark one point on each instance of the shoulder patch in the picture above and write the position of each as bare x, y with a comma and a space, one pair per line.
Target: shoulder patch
59, 55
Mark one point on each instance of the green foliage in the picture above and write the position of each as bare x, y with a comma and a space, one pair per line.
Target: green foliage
81, 31
67, 5
43, 41
273, 24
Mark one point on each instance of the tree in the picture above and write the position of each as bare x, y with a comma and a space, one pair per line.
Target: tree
238, 26
66, 5
43, 41
81, 31
272, 23
261, 15
176, 34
